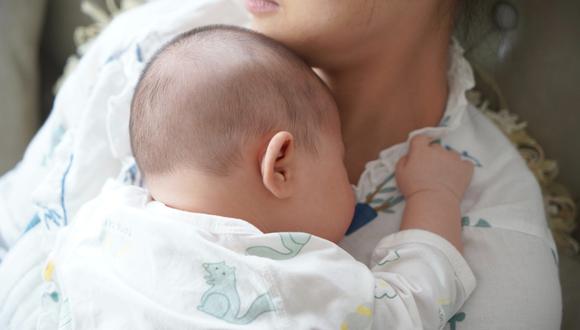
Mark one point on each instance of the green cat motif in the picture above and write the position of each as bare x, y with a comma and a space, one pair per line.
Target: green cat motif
293, 242
222, 299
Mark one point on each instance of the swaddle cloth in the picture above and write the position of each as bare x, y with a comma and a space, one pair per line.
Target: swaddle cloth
87, 131
84, 142
127, 262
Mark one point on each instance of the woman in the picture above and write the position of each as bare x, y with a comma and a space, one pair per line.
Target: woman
393, 74
394, 71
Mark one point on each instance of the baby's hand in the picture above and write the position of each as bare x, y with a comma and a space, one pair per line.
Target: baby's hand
428, 167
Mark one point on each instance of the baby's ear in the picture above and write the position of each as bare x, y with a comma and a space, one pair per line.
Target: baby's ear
278, 165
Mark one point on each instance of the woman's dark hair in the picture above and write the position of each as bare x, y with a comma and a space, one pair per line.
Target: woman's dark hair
470, 10
469, 15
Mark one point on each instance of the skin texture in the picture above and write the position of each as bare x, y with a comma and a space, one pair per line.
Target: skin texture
276, 187
384, 60
433, 181
279, 188
293, 190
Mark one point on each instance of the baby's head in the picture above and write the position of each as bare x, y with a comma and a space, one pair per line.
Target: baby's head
226, 121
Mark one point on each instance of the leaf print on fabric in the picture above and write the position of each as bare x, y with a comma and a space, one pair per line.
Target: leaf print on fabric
444, 309
222, 299
63, 189
388, 190
49, 215
55, 138
292, 242
459, 317
32, 223
55, 309
481, 223
360, 319
383, 199
464, 221
465, 155
445, 121
50, 299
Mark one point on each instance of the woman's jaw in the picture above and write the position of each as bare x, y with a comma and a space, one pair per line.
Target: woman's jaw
336, 34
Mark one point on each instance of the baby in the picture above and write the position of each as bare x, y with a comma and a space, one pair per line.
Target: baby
240, 146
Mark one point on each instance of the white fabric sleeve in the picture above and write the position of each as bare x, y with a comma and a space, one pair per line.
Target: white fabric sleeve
423, 275
418, 281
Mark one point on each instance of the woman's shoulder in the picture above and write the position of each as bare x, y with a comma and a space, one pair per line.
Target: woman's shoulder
504, 193
501, 173
478, 139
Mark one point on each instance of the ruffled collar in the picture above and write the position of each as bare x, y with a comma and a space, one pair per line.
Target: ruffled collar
460, 80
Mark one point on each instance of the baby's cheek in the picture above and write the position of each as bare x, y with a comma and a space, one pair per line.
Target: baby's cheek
345, 210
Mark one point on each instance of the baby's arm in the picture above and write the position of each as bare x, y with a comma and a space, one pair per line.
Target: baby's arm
418, 281
418, 278
433, 181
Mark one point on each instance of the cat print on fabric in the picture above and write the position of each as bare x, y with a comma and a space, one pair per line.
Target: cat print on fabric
222, 299
292, 242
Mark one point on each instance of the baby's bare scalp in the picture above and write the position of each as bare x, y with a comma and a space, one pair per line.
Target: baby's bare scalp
212, 90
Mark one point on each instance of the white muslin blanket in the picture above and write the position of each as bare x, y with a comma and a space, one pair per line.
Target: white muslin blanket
84, 142
128, 263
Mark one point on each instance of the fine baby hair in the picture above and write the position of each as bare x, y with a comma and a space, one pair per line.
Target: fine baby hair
211, 90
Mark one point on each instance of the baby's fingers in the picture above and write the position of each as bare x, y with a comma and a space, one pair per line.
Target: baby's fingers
468, 167
468, 164
419, 141
401, 164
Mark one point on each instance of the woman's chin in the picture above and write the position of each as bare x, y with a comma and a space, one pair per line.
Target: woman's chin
260, 8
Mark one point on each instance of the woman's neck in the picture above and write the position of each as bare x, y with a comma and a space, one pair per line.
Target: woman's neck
401, 88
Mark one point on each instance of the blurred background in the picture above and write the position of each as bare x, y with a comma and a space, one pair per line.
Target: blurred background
526, 54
